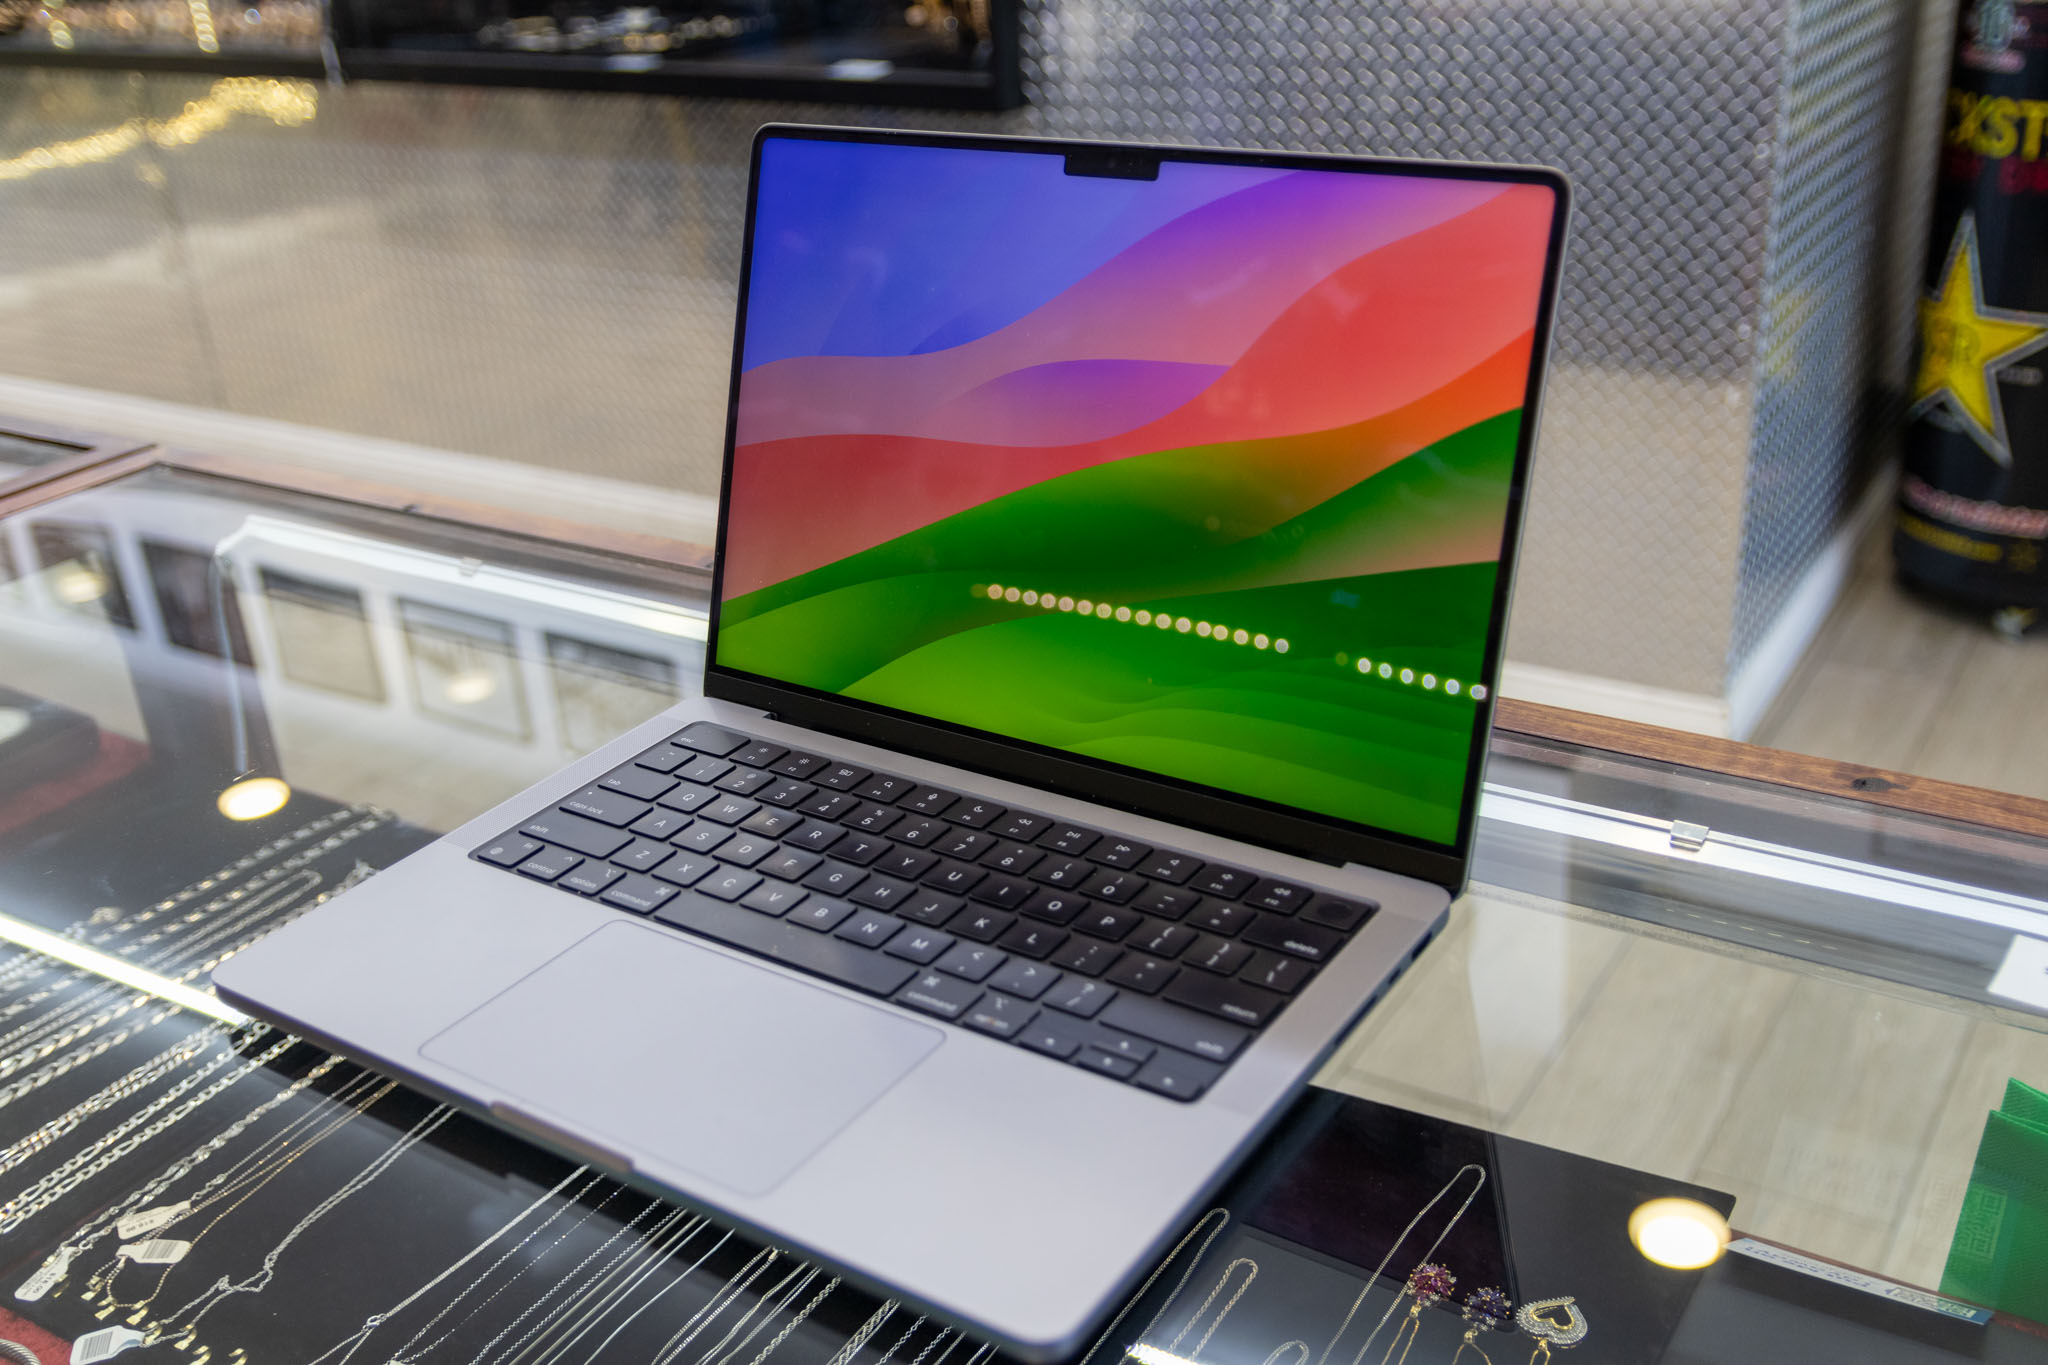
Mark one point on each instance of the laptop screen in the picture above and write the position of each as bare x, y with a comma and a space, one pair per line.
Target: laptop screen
1204, 476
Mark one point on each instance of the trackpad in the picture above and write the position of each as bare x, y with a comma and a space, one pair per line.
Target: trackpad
647, 1043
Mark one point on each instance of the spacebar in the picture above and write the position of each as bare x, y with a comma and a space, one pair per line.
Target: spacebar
849, 964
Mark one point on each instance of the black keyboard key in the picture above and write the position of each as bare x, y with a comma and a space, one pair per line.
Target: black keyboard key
1080, 997
702, 838
1312, 941
966, 844
841, 777
729, 810
835, 878
607, 808
1338, 914
774, 898
1221, 917
1032, 940
1176, 1076
1282, 898
1277, 972
920, 945
704, 770
930, 907
590, 878
879, 788
745, 781
1208, 1038
792, 864
1118, 888
786, 791
687, 797
945, 996
1025, 980
929, 801
1233, 1000
577, 834
729, 883
664, 758
1065, 873
908, 863
1121, 853
821, 913
1054, 907
1019, 825
1062, 838
773, 823
815, 835
1102, 1063
954, 878
509, 851
797, 765
975, 814
641, 895
981, 925
707, 738
779, 940
746, 850
1014, 859
1053, 1035
884, 893
1227, 882
829, 805
1086, 956
972, 961
1217, 955
685, 868
643, 855
1167, 902
1170, 867
1135, 1050
759, 754
1161, 939
860, 849
660, 824
921, 833
870, 928
1000, 1016
1146, 974
873, 818
1005, 892
1108, 922
636, 782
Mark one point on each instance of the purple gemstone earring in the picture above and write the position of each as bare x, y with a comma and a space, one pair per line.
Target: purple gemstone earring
1485, 1310
1427, 1284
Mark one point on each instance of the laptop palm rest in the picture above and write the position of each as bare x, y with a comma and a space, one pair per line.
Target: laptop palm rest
651, 1044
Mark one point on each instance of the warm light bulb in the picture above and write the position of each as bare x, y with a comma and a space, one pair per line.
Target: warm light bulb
1683, 1234
467, 689
75, 584
253, 798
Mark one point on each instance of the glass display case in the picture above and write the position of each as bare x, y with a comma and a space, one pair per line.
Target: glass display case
1692, 985
956, 53
274, 36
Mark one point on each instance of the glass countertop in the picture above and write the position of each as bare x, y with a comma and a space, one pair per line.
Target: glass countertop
222, 702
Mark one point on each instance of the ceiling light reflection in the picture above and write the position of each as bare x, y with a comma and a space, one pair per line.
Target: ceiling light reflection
254, 797
1682, 1234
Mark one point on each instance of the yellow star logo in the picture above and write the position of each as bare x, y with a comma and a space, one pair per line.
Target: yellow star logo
1964, 344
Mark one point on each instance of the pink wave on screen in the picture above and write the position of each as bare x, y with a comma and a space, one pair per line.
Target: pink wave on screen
1069, 402
1224, 293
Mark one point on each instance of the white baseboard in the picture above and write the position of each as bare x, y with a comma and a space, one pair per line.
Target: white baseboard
1756, 683
1695, 711
585, 498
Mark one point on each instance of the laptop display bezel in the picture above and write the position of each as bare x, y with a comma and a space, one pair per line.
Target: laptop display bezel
1293, 829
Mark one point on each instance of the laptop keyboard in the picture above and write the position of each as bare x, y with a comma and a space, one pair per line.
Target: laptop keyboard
1144, 965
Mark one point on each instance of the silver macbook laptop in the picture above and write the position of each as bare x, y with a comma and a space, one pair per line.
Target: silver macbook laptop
1115, 552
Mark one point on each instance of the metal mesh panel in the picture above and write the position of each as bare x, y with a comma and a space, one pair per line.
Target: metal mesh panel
548, 277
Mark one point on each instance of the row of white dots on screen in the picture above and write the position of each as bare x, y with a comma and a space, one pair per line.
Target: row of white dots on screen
1082, 606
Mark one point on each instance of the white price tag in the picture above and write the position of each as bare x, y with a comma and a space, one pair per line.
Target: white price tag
162, 1251
145, 1221
2024, 974
104, 1344
45, 1279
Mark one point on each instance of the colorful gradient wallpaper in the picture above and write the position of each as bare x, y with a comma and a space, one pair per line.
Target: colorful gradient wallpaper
1205, 476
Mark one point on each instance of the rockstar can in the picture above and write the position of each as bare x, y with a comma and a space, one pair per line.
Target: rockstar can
1973, 505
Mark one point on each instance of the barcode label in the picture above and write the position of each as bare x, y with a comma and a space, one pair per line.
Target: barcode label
162, 1251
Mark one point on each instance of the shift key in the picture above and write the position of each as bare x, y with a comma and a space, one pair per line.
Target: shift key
1176, 1027
573, 831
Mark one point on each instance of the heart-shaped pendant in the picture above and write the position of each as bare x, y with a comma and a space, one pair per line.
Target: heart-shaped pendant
1541, 1319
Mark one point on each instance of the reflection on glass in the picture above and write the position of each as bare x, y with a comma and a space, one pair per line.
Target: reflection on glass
21, 453
465, 667
322, 635
601, 691
79, 561
1683, 1234
162, 25
192, 602
253, 798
